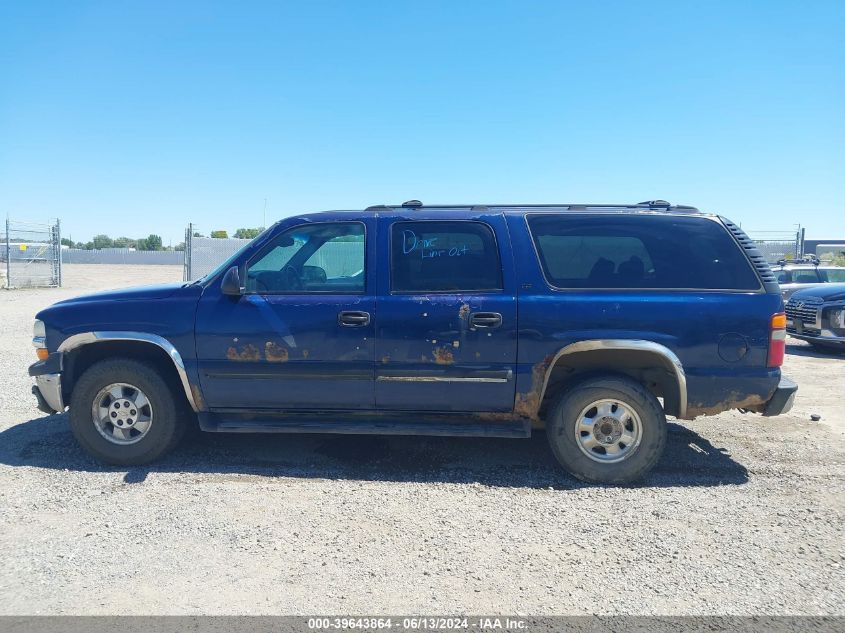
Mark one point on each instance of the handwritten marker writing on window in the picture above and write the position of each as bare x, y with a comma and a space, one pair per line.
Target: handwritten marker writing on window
427, 246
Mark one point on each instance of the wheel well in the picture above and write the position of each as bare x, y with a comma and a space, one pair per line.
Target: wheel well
77, 361
651, 369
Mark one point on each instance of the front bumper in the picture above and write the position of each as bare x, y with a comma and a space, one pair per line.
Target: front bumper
48, 392
48, 383
782, 399
826, 337
823, 329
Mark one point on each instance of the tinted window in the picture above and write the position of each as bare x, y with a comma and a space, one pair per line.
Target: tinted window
784, 277
444, 256
805, 277
639, 251
311, 258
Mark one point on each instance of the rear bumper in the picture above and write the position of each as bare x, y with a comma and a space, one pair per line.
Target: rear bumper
782, 399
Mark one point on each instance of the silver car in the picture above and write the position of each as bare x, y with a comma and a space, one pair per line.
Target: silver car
794, 276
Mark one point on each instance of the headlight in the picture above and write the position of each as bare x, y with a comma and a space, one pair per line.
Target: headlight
39, 334
837, 318
39, 340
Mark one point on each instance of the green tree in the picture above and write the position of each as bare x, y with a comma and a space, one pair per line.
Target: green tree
179, 247
89, 246
151, 243
102, 241
220, 234
67, 242
141, 244
248, 234
124, 242
198, 234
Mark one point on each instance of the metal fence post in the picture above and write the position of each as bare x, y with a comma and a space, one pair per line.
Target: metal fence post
8, 257
59, 252
189, 238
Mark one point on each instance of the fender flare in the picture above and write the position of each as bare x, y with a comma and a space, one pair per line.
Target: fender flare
87, 338
638, 345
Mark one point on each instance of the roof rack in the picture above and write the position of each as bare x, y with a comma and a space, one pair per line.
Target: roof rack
807, 258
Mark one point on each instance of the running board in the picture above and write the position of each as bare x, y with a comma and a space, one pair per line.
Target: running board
358, 424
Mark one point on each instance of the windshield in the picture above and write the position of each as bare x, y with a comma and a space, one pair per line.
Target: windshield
229, 261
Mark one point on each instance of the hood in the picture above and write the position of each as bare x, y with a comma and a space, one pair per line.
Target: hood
158, 291
828, 292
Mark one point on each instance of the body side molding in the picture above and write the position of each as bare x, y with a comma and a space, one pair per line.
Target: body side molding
86, 338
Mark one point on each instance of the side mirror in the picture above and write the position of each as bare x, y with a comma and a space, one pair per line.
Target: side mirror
231, 284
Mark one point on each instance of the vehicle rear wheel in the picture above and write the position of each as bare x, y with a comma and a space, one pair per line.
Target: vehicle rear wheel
607, 430
123, 412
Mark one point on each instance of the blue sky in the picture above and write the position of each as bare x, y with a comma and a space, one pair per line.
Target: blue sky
135, 118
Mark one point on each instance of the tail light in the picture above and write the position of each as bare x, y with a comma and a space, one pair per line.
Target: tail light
777, 340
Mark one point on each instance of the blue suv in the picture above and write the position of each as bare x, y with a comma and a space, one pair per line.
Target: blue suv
592, 322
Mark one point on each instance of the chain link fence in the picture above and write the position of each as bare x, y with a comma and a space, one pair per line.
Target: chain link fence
777, 245
122, 256
31, 255
204, 254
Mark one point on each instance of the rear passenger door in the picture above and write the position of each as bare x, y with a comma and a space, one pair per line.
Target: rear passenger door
446, 313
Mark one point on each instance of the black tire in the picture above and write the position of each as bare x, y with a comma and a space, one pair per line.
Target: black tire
563, 421
165, 431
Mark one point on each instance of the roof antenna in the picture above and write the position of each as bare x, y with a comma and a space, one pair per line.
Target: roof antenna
412, 204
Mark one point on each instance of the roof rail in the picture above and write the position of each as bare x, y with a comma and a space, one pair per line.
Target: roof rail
649, 204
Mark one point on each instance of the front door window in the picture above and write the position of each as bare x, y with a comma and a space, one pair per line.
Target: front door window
312, 258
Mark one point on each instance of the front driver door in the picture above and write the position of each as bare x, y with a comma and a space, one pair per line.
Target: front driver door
301, 335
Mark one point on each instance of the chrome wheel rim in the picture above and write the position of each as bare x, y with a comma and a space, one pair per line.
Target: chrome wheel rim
122, 413
608, 431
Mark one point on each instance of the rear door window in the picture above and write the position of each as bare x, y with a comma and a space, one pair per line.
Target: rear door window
448, 256
806, 277
639, 252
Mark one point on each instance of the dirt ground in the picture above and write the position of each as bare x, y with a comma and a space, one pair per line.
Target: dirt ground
744, 515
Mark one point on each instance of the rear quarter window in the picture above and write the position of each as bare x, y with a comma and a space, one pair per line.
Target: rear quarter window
833, 275
639, 252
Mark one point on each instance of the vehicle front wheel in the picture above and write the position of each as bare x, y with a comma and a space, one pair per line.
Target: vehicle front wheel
123, 412
607, 430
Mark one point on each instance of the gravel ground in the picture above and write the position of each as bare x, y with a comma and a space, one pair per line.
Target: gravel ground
744, 515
